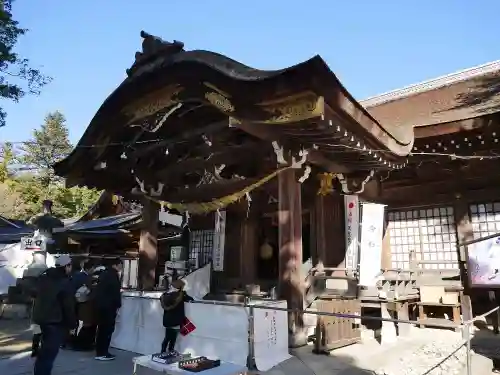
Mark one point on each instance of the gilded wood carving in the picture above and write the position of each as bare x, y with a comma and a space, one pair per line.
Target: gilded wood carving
294, 108
219, 101
326, 183
153, 103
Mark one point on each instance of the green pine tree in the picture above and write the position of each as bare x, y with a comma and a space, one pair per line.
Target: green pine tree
49, 144
37, 181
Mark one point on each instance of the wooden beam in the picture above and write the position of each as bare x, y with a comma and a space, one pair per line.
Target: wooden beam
197, 132
460, 126
464, 231
314, 156
248, 248
208, 192
229, 156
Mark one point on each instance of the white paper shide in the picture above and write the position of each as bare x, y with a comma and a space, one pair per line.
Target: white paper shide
219, 241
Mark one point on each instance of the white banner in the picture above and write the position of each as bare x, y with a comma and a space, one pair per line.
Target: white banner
370, 255
351, 204
219, 241
224, 335
270, 335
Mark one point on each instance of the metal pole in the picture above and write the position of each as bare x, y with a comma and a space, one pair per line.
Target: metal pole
251, 339
300, 311
468, 353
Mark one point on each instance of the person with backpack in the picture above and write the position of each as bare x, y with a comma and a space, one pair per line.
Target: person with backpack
54, 312
174, 314
82, 282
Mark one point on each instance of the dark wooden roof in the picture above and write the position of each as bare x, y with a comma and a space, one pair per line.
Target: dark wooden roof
447, 101
184, 112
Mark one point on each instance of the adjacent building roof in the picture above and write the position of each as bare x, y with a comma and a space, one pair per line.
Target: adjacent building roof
12, 231
455, 97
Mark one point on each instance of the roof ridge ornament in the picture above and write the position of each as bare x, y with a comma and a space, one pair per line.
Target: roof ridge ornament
152, 48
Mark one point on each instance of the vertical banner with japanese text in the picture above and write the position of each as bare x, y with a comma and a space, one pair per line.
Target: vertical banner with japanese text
351, 209
219, 241
370, 252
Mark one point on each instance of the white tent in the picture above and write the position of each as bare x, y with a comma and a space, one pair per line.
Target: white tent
13, 262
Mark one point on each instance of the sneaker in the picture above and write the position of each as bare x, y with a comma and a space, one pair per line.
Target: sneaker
107, 357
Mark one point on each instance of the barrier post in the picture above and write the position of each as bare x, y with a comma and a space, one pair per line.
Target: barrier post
468, 349
251, 341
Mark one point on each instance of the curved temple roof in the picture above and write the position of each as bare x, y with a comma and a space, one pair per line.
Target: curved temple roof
303, 106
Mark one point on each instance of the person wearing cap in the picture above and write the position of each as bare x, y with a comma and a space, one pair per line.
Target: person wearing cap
54, 311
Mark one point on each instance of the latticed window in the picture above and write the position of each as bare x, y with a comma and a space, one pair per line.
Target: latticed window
485, 218
429, 233
201, 247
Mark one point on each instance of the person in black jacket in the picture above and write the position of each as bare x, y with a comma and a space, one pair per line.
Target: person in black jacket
54, 312
107, 302
173, 314
83, 286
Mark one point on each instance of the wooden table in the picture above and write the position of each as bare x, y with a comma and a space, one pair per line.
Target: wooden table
225, 368
424, 321
398, 309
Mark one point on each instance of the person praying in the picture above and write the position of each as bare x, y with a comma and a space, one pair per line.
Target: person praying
174, 314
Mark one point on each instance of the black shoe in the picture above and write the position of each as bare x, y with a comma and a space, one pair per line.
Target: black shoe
107, 357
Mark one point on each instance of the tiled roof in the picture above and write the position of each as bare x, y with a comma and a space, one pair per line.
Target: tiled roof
463, 95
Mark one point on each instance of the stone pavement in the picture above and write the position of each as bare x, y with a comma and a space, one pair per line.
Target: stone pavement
359, 359
15, 341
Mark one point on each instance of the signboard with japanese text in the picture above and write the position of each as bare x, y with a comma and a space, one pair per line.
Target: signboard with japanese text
219, 241
270, 329
351, 204
33, 243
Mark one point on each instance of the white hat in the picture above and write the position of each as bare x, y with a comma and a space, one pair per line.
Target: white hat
63, 260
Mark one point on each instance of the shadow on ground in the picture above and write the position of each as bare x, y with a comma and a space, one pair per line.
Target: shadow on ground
486, 343
15, 345
305, 362
15, 336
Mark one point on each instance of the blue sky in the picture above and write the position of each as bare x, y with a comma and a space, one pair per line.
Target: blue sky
372, 46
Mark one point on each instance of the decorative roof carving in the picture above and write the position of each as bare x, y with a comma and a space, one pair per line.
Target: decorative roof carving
153, 47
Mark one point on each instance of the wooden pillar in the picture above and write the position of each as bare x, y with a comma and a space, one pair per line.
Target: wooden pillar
148, 246
319, 231
386, 261
334, 231
290, 253
248, 249
464, 232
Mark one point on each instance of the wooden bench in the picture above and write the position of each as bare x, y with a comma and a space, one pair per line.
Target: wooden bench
425, 321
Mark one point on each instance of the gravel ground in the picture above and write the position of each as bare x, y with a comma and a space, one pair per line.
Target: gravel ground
427, 352
431, 358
